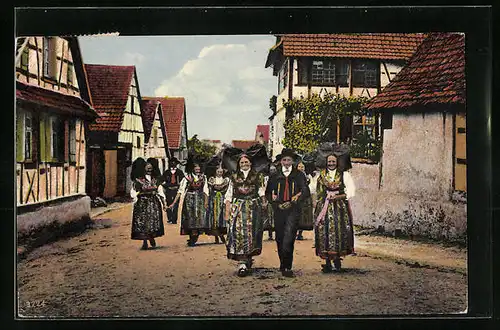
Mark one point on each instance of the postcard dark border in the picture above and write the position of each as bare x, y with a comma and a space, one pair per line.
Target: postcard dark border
475, 22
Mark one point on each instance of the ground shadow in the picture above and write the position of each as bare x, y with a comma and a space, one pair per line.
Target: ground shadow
353, 271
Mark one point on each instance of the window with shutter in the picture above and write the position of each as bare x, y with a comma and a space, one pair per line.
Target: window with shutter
25, 58
57, 139
69, 75
19, 135
50, 57
72, 141
28, 136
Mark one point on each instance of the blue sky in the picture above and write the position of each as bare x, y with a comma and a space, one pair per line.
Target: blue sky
222, 78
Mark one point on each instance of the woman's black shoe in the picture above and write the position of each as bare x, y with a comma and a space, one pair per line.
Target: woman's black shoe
217, 240
152, 242
144, 245
223, 239
287, 272
327, 268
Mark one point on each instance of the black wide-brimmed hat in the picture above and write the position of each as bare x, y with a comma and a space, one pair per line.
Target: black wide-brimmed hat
287, 152
173, 161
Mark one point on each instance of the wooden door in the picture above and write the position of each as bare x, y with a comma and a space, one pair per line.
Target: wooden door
110, 173
121, 172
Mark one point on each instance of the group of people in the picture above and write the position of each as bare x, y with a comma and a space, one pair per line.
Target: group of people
285, 197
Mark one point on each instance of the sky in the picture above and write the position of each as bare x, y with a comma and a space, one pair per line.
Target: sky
222, 78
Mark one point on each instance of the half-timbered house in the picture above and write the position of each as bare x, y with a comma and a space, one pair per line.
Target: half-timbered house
156, 141
422, 180
117, 137
347, 64
175, 122
53, 109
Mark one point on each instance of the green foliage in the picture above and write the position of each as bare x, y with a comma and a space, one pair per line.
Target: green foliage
201, 148
366, 146
273, 104
314, 119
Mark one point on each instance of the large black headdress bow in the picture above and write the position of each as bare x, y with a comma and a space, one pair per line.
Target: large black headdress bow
325, 149
257, 154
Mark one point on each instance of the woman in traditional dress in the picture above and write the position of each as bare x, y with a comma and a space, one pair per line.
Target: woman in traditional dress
149, 199
268, 215
245, 200
334, 235
306, 221
217, 187
193, 214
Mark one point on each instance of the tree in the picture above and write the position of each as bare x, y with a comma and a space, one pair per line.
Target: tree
201, 148
314, 119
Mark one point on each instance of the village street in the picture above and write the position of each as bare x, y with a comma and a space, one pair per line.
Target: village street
104, 273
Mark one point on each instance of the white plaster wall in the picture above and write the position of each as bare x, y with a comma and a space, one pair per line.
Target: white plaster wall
416, 183
418, 155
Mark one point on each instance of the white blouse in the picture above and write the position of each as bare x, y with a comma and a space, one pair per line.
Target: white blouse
350, 188
134, 193
184, 182
229, 193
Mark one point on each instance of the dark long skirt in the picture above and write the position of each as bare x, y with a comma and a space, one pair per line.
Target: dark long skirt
268, 218
215, 214
335, 236
147, 218
194, 220
244, 229
306, 216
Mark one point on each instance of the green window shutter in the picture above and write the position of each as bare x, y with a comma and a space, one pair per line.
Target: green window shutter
19, 136
45, 138
43, 144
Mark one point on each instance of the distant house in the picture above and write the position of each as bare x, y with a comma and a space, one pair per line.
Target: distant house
347, 64
117, 137
53, 109
156, 142
243, 144
422, 178
262, 135
174, 116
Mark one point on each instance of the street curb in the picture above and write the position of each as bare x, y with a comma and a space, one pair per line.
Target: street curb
109, 210
411, 262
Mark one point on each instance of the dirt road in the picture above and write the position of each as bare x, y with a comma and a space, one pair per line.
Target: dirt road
104, 273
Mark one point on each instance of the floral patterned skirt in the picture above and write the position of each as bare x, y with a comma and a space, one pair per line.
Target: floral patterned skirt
215, 214
194, 220
147, 218
335, 236
244, 229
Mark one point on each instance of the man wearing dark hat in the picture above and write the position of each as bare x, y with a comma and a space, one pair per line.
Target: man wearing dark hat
286, 190
171, 180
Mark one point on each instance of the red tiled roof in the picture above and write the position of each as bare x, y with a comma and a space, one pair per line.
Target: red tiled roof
54, 99
109, 86
390, 46
264, 130
434, 75
148, 112
173, 114
243, 144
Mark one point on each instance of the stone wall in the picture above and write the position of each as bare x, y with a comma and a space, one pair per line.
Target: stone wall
48, 223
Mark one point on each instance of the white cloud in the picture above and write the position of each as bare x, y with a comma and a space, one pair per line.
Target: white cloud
226, 88
131, 59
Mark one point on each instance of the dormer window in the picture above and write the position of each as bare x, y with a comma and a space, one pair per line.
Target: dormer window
50, 57
283, 77
25, 58
70, 76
